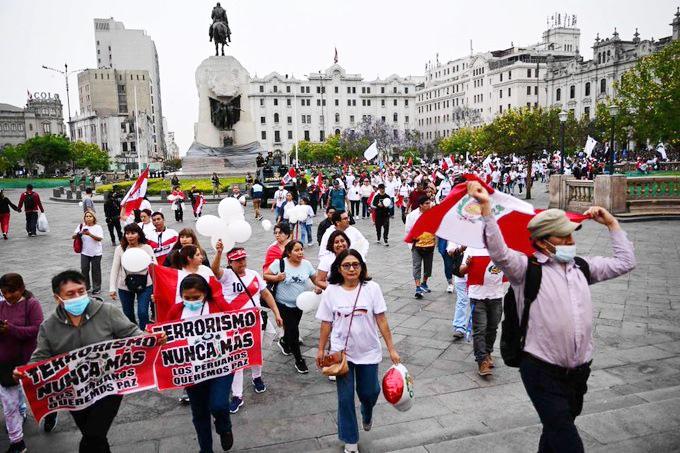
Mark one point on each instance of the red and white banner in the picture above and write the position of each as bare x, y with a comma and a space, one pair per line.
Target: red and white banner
458, 219
319, 183
207, 347
166, 281
77, 379
133, 198
288, 177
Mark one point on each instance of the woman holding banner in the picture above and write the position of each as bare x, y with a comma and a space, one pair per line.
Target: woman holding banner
211, 396
20, 319
352, 311
127, 284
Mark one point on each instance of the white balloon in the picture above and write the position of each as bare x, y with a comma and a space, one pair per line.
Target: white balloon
80, 203
240, 231
308, 301
292, 217
229, 207
234, 218
266, 224
135, 259
387, 202
208, 225
227, 240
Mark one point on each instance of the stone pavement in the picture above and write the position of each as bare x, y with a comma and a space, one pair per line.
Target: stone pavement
633, 402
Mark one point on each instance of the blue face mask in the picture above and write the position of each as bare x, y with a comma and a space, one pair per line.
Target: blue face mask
77, 305
565, 253
193, 305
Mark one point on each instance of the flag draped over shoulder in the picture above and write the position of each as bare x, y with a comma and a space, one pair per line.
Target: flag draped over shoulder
458, 219
133, 198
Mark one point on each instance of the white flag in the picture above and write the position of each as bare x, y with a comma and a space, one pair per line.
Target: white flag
371, 151
661, 150
590, 145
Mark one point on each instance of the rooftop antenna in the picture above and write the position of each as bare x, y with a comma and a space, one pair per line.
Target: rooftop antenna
471, 47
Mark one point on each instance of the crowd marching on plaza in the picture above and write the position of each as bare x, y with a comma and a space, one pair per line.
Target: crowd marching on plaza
554, 349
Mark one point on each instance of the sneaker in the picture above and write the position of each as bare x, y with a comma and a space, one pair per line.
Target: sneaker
258, 383
49, 422
4, 236
425, 288
419, 292
458, 334
284, 349
184, 399
386, 244
449, 288
301, 366
367, 425
484, 369
490, 361
351, 448
235, 404
96, 293
378, 242
18, 447
332, 378
227, 440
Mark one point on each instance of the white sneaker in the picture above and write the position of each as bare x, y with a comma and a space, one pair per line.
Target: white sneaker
332, 378
449, 289
351, 448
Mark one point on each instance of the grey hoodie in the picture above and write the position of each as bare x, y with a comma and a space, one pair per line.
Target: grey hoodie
101, 322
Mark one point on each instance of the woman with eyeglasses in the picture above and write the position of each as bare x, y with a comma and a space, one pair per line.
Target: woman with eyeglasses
291, 275
351, 312
275, 249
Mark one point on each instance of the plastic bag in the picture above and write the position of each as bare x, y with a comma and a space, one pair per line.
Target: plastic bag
398, 388
43, 226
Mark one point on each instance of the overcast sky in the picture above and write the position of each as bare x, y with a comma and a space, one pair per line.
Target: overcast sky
373, 37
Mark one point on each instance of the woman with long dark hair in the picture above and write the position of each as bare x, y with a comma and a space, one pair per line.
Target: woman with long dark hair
131, 285
186, 236
337, 242
351, 312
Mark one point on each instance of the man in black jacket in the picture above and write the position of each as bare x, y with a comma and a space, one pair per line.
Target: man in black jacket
325, 224
112, 214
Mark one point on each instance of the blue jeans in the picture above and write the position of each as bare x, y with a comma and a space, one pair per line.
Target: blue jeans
368, 390
460, 318
127, 300
306, 233
448, 259
210, 397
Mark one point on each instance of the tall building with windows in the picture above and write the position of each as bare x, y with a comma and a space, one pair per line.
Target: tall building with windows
42, 115
287, 109
126, 49
471, 90
578, 86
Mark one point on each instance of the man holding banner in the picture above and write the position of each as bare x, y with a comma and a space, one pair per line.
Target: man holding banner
79, 369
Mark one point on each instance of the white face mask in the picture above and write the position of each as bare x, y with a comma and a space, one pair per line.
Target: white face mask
564, 253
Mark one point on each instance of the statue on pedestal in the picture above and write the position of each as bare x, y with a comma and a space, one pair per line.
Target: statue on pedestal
219, 30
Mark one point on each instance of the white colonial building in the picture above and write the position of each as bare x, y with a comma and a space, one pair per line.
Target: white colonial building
577, 85
472, 90
42, 115
286, 109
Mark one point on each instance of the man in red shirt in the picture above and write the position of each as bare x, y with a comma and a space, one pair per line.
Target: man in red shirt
30, 201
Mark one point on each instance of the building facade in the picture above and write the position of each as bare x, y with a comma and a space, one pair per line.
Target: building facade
286, 109
578, 86
111, 102
42, 115
125, 49
472, 90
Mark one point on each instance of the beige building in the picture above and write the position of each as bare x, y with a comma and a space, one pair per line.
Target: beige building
42, 115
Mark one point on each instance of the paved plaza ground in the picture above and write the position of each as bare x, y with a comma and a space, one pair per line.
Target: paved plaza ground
633, 401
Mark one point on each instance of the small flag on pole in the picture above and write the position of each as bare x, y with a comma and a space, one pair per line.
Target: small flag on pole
335, 60
371, 151
288, 177
134, 197
590, 145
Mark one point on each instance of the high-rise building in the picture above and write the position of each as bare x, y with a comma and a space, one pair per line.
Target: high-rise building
126, 49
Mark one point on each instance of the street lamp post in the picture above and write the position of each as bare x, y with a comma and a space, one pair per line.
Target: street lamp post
613, 112
65, 73
563, 119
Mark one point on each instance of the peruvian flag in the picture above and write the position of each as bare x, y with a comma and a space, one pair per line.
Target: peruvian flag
166, 294
458, 219
133, 198
288, 177
410, 162
481, 271
447, 163
319, 183
199, 201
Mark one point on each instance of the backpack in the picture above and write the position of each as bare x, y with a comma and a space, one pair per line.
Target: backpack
514, 329
29, 202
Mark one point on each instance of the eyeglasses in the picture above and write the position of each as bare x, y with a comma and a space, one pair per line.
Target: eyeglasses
347, 266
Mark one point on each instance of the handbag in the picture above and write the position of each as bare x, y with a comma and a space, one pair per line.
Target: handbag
272, 286
335, 363
78, 241
135, 282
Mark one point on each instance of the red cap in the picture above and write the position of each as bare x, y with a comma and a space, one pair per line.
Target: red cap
237, 255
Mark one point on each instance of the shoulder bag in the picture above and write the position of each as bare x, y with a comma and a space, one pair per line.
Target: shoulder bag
335, 363
78, 241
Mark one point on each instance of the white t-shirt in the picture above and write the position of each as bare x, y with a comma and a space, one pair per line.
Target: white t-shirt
234, 292
366, 190
90, 246
286, 209
451, 246
363, 345
310, 216
354, 193
325, 263
280, 197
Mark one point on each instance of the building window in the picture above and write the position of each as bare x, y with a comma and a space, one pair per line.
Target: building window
304, 119
500, 109
307, 135
287, 88
337, 117
395, 134
586, 112
277, 136
337, 102
276, 89
264, 135
501, 76
500, 94
509, 75
261, 102
603, 86
276, 117
382, 103
394, 90
302, 102
558, 94
509, 92
288, 102
406, 90
349, 102
572, 92
395, 102
124, 147
276, 101
351, 119
529, 72
309, 119
318, 102
46, 128
406, 119
536, 90
290, 135
322, 136
336, 90
289, 120
587, 90
263, 120
405, 102
382, 90
349, 90
395, 117
528, 90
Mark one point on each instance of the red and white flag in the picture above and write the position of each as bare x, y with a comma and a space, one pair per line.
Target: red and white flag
319, 183
199, 201
134, 197
410, 161
288, 177
458, 219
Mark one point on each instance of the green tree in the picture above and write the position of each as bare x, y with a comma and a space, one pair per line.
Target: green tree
172, 164
11, 157
90, 156
649, 94
50, 151
461, 142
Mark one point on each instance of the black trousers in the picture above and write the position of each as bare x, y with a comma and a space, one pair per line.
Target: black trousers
382, 225
114, 225
354, 207
179, 214
31, 222
94, 423
291, 328
557, 396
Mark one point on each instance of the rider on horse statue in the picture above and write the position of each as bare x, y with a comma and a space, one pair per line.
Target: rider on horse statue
219, 15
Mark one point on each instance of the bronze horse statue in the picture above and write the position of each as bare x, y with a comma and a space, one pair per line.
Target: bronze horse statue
221, 35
